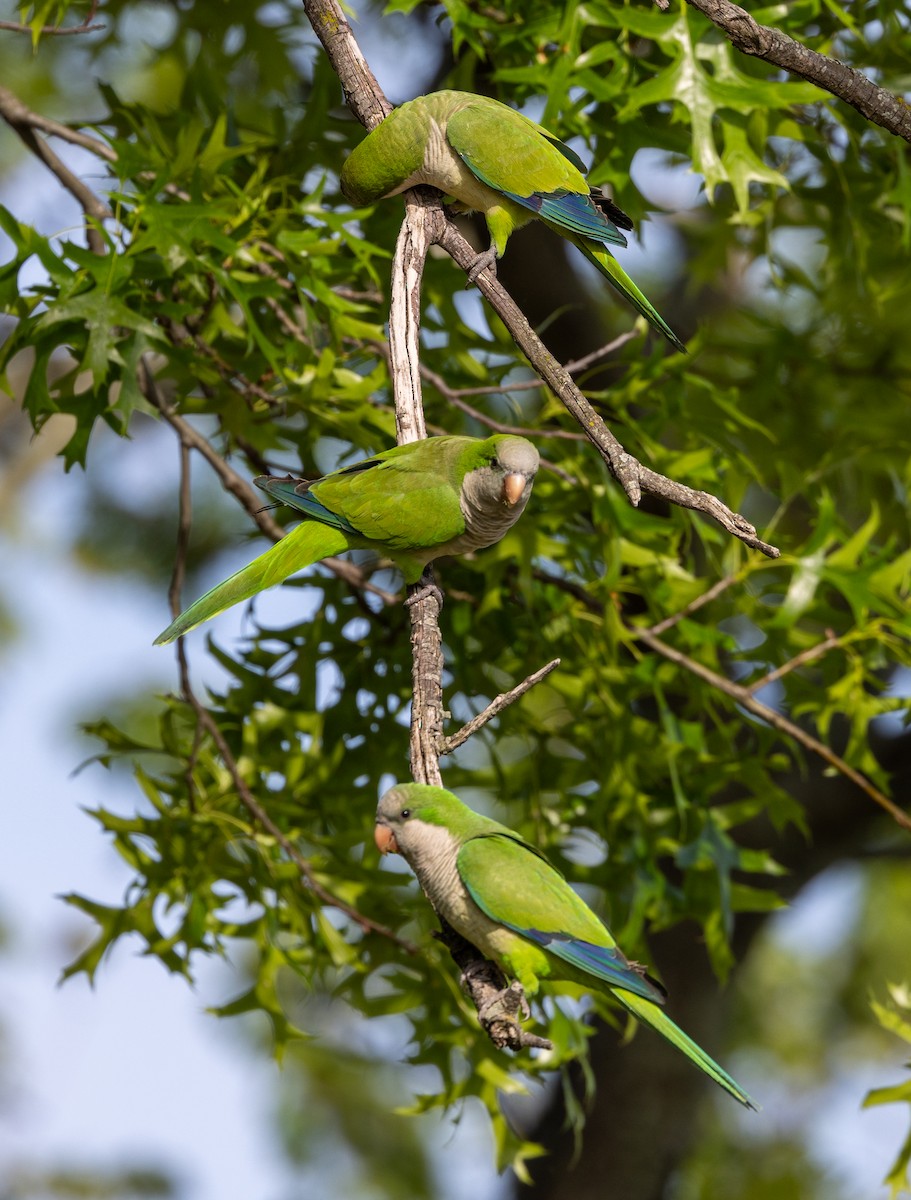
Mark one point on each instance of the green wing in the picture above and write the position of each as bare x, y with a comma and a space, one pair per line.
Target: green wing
519, 159
406, 498
517, 887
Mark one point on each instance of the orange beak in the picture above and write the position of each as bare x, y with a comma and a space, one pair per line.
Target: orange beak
513, 488
385, 840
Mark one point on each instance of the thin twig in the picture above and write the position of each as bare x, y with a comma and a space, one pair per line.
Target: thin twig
494, 707
744, 697
13, 109
241, 490
694, 605
588, 360
875, 103
85, 26
799, 660
740, 693
21, 121
454, 396
184, 526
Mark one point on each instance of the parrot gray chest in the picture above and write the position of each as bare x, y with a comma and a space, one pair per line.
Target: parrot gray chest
487, 517
442, 168
432, 854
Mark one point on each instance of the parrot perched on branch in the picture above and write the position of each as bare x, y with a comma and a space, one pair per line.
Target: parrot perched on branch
505, 898
490, 158
413, 503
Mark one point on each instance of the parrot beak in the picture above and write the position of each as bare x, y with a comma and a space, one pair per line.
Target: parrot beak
385, 840
513, 488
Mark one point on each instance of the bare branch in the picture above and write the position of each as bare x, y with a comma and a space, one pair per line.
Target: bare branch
362, 92
875, 103
737, 692
24, 123
405, 316
632, 476
85, 26
611, 347
494, 707
744, 697
13, 109
799, 660
239, 488
454, 396
706, 597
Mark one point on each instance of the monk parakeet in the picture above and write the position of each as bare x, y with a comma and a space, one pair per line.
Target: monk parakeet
505, 898
413, 503
489, 158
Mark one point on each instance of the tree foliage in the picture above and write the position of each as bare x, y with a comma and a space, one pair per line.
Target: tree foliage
237, 292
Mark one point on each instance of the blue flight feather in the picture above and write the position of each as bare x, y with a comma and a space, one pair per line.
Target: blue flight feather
575, 211
296, 493
604, 962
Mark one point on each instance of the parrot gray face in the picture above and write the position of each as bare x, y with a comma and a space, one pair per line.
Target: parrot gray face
393, 811
407, 823
516, 464
506, 480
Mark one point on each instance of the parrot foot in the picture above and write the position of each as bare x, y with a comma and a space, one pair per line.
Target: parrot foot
484, 262
426, 586
500, 1018
506, 1004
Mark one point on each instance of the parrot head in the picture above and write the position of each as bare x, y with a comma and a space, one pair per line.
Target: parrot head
512, 469
413, 814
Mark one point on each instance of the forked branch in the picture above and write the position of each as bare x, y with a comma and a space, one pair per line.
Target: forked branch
369, 105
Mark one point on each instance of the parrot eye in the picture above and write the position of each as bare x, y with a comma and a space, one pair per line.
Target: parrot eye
405, 814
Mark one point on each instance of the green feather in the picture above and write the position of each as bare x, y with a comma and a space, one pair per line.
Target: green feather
302, 547
488, 157
507, 900
405, 503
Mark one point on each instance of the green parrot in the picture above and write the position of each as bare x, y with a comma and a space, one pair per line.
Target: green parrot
506, 899
413, 503
491, 159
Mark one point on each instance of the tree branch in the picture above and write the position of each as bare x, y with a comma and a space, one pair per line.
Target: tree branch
85, 26
497, 1005
771, 716
447, 745
705, 597
743, 695
805, 656
205, 721
875, 103
241, 490
24, 123
632, 476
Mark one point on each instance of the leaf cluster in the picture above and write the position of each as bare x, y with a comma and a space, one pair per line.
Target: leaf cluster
237, 279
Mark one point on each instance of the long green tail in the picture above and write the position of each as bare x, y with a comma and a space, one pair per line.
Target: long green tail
306, 544
618, 278
651, 1014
